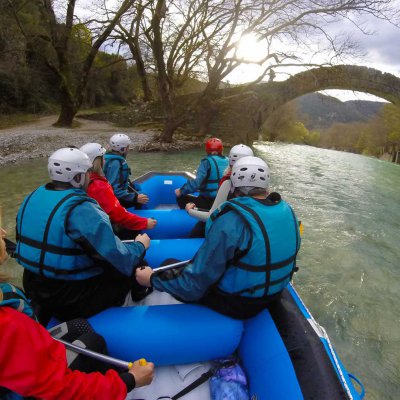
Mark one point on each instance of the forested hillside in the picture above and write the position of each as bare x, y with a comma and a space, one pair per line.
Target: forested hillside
319, 111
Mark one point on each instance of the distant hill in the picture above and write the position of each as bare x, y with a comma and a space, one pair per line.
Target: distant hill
319, 111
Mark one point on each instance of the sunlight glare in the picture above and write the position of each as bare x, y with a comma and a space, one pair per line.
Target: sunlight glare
251, 49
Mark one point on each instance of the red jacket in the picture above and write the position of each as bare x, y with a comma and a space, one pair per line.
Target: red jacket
34, 364
225, 177
100, 190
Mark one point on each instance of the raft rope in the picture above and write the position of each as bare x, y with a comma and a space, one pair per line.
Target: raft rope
321, 332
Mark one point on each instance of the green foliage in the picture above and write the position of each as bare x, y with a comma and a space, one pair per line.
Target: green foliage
27, 84
391, 117
284, 125
313, 138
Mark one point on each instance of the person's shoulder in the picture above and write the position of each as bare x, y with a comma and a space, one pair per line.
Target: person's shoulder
228, 217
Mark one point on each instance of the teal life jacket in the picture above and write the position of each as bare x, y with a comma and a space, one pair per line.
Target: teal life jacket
43, 245
124, 170
267, 266
217, 166
11, 296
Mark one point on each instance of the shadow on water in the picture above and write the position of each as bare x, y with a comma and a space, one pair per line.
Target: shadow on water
349, 275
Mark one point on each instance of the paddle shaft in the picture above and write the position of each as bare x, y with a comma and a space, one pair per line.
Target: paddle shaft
171, 266
130, 185
97, 356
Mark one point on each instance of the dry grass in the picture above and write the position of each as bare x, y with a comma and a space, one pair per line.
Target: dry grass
10, 120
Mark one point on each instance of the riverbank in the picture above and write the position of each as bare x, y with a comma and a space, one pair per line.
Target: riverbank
40, 138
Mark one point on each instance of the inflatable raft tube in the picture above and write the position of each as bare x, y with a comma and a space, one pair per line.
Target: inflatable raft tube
172, 222
182, 249
168, 334
160, 187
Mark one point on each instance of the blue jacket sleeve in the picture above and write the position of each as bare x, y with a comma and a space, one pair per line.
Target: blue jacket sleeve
193, 185
227, 234
113, 175
90, 226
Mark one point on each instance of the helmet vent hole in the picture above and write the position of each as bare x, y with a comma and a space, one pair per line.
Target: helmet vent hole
58, 172
260, 169
243, 169
68, 169
57, 164
262, 178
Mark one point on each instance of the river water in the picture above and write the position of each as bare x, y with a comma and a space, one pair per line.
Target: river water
349, 261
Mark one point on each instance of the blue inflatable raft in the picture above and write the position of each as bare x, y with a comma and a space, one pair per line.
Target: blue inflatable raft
285, 354
172, 222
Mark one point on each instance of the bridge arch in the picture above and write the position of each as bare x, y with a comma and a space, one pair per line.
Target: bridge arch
244, 111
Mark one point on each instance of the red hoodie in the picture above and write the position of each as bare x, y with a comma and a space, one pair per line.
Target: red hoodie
101, 190
34, 364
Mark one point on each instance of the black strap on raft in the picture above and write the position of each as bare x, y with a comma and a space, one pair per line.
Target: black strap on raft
199, 381
203, 378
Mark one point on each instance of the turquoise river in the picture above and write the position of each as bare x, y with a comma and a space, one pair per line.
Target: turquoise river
349, 262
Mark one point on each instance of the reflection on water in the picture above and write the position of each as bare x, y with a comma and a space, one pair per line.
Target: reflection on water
349, 262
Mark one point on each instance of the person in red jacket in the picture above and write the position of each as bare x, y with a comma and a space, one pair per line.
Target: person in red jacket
33, 364
100, 189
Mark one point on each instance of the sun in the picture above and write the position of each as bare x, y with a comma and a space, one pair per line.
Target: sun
250, 48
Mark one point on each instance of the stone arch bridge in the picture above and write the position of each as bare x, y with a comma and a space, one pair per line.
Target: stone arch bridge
240, 112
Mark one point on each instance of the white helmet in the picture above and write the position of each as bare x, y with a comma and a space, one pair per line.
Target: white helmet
252, 172
65, 164
93, 150
239, 151
119, 142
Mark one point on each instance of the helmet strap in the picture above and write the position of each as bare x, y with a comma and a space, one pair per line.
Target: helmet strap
79, 180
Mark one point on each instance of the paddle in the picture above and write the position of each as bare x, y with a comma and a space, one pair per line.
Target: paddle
100, 357
179, 264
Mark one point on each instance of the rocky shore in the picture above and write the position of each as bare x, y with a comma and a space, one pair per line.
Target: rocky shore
41, 138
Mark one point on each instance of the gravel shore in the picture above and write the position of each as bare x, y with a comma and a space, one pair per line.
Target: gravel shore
40, 138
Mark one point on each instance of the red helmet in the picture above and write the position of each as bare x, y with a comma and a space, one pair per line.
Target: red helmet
214, 144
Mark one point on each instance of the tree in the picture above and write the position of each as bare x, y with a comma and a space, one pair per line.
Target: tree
129, 32
391, 118
54, 41
203, 37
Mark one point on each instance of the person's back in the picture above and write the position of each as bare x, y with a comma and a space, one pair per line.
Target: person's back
224, 190
117, 172
73, 263
249, 254
209, 173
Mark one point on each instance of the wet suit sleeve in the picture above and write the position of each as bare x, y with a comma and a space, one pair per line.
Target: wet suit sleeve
114, 177
227, 235
34, 364
90, 227
103, 193
193, 185
222, 196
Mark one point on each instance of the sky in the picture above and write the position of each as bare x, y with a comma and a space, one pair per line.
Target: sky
381, 51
